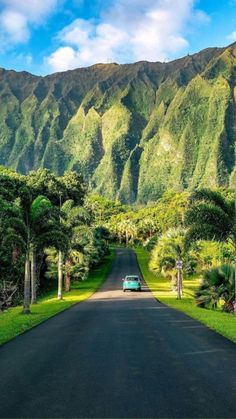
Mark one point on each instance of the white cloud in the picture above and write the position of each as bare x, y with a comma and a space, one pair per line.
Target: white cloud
129, 31
87, 43
14, 26
61, 56
232, 37
17, 17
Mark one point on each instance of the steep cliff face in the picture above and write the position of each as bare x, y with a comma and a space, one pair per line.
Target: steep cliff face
133, 130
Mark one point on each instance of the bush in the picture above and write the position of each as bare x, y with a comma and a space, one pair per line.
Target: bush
217, 285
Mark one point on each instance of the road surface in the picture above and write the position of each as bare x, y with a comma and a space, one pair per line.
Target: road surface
118, 355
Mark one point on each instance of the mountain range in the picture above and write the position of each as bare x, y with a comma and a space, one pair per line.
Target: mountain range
134, 131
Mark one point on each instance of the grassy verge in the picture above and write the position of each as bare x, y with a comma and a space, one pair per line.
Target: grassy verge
223, 323
13, 322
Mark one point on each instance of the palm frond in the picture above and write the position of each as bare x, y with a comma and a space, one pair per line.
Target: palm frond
67, 206
54, 238
205, 232
18, 225
206, 213
212, 197
13, 239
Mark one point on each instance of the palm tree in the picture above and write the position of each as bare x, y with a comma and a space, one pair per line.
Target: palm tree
218, 284
34, 226
212, 217
12, 243
44, 229
73, 218
170, 249
128, 229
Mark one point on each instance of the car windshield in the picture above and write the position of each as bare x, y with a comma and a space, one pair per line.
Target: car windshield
131, 278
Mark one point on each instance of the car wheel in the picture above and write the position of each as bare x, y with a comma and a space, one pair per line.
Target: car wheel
124, 290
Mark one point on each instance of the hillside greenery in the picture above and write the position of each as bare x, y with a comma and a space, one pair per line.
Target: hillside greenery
139, 155
134, 131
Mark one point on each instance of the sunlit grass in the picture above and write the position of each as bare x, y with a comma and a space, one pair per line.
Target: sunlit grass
13, 322
223, 323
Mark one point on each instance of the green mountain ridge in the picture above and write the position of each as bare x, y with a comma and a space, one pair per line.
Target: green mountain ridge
134, 130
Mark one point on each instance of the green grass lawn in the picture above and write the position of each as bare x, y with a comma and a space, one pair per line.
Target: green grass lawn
13, 322
223, 323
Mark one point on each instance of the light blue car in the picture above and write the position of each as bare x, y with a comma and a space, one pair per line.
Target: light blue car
132, 283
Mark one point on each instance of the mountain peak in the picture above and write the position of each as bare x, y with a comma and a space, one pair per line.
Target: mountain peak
134, 130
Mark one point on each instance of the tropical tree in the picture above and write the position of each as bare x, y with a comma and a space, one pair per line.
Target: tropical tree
212, 216
87, 245
102, 208
75, 187
147, 227
73, 218
44, 182
44, 229
217, 285
34, 226
10, 250
69, 186
169, 249
127, 230
29, 221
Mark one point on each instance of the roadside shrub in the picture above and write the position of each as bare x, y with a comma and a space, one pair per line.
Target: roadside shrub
217, 286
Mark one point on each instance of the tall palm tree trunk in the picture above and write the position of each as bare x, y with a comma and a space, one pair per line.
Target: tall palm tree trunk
181, 283
67, 282
67, 275
234, 244
33, 278
234, 303
26, 305
60, 275
179, 291
126, 238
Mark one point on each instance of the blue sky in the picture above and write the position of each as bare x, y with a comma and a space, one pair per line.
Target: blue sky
45, 36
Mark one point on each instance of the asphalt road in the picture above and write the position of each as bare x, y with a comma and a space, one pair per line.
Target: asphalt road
118, 355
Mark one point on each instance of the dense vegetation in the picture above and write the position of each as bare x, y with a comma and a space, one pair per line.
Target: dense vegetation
52, 232
197, 228
48, 232
216, 319
134, 131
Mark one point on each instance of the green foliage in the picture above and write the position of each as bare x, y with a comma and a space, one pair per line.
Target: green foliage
221, 322
13, 323
74, 186
34, 226
58, 189
102, 208
11, 244
170, 247
211, 254
218, 285
211, 217
133, 131
198, 228
145, 223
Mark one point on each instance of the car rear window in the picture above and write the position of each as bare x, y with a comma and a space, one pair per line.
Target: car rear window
132, 278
